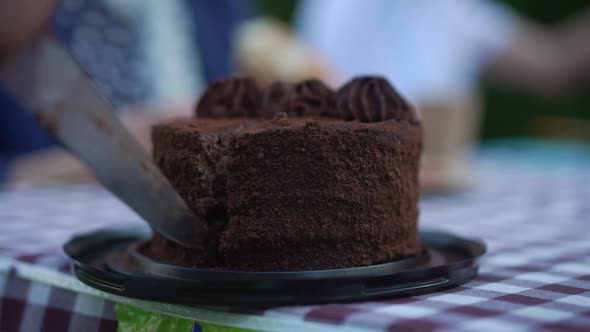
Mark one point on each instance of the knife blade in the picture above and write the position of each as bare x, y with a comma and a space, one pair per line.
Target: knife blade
64, 99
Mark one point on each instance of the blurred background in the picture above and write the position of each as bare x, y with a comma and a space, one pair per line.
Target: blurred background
477, 71
565, 117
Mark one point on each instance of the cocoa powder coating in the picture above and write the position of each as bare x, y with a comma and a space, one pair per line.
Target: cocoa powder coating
294, 193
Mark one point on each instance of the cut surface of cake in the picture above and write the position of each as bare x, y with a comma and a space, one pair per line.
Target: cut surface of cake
295, 176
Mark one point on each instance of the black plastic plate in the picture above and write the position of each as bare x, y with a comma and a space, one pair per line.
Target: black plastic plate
110, 260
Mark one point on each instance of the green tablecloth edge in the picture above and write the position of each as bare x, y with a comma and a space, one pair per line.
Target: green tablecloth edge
134, 319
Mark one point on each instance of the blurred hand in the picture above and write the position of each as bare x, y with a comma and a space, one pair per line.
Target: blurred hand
548, 61
21, 21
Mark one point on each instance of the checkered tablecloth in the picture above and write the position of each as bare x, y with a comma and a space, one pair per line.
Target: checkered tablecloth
531, 208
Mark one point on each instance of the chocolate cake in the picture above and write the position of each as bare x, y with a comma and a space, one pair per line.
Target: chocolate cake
295, 176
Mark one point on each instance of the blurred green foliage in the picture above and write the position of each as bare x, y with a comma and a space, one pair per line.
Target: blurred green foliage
282, 9
508, 113
547, 12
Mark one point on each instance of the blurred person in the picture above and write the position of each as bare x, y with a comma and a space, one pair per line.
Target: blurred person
434, 52
139, 52
20, 23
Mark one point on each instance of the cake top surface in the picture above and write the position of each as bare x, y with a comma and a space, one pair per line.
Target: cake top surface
362, 99
210, 125
242, 124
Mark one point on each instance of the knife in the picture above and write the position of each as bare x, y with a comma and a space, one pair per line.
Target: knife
65, 101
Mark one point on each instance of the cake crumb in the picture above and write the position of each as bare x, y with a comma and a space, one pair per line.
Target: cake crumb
280, 118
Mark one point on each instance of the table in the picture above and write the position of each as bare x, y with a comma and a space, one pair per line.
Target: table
530, 203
